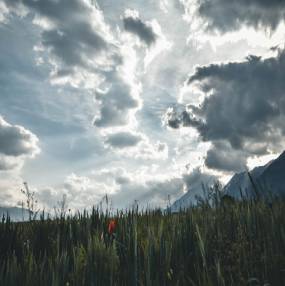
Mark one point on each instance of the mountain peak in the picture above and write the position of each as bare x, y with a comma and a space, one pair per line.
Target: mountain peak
268, 178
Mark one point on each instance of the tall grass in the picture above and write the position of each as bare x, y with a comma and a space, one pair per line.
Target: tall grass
232, 243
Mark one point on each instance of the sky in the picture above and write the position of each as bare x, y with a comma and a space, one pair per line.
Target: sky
139, 100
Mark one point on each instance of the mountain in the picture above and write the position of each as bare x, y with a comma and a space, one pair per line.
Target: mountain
185, 201
15, 214
274, 176
190, 198
240, 184
268, 180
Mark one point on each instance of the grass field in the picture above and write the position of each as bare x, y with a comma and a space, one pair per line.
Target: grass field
235, 243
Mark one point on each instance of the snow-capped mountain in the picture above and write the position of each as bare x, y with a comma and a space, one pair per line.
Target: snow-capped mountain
195, 191
240, 184
268, 180
186, 200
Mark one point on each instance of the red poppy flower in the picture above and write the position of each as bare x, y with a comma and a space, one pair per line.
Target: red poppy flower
111, 226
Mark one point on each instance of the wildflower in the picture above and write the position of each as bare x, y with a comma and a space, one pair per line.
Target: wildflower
111, 226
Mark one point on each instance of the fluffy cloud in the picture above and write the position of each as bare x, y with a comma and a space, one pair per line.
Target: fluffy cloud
133, 24
79, 192
3, 12
223, 157
84, 53
147, 150
196, 177
122, 187
138, 147
16, 144
122, 139
10, 186
226, 15
175, 118
10, 162
149, 34
118, 102
73, 31
243, 106
15, 140
155, 191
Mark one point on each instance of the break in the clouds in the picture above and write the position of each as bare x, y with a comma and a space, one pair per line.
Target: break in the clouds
226, 15
243, 109
16, 144
133, 24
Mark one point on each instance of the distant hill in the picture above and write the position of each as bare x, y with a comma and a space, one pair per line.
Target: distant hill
15, 213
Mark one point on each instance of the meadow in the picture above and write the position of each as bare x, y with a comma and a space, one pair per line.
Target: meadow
225, 243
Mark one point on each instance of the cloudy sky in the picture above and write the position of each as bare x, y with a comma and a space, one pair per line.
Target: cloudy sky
139, 100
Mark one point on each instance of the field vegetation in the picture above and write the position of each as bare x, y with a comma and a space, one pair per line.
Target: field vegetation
219, 243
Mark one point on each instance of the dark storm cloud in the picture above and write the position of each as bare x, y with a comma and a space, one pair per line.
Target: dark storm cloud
136, 26
247, 100
223, 157
246, 107
227, 15
122, 139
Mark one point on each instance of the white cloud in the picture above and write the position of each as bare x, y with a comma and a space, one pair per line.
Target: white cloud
121, 186
143, 30
218, 22
16, 145
136, 146
124, 187
164, 6
149, 33
3, 12
10, 188
122, 139
85, 54
161, 45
